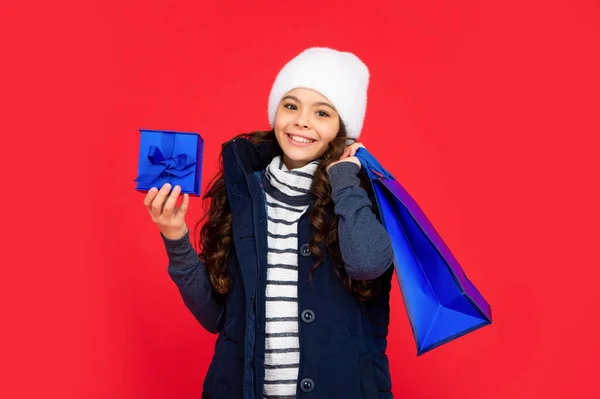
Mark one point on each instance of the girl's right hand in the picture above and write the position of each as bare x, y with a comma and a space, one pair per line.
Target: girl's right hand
169, 219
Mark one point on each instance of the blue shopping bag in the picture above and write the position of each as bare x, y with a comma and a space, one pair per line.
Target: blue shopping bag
442, 304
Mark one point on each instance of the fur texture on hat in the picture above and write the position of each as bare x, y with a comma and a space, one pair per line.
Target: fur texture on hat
339, 76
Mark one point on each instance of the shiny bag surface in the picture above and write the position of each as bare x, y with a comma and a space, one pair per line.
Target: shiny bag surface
441, 302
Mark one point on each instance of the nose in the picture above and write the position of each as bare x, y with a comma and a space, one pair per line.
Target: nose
302, 121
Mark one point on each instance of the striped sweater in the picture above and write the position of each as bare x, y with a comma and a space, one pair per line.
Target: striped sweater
287, 193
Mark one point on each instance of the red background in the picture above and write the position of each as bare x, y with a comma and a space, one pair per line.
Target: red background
487, 112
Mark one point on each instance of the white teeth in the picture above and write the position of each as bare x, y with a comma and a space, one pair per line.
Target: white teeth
301, 139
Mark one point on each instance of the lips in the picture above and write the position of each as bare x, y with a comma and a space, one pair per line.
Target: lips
290, 135
298, 144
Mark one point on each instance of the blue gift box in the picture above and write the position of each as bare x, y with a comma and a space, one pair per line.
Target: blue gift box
170, 157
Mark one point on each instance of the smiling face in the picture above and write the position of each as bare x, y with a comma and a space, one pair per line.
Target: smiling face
305, 123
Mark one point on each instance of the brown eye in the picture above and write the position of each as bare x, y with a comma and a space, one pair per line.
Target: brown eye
290, 106
323, 113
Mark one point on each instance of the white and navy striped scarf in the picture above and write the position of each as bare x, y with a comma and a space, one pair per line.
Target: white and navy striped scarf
287, 193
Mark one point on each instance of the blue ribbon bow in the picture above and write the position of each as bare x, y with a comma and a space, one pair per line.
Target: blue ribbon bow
177, 165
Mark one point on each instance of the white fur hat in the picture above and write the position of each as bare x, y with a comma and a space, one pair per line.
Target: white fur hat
339, 76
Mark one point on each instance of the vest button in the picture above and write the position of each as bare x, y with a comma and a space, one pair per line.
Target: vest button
307, 385
308, 316
305, 250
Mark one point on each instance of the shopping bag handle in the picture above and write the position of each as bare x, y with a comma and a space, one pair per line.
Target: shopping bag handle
374, 169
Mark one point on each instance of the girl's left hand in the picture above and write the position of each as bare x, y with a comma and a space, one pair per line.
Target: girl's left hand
348, 155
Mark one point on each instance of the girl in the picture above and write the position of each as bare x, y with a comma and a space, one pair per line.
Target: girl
294, 272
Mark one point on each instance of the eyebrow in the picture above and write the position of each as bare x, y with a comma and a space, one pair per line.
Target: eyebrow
317, 103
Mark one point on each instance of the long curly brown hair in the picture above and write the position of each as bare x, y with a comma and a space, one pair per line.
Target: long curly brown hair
216, 233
